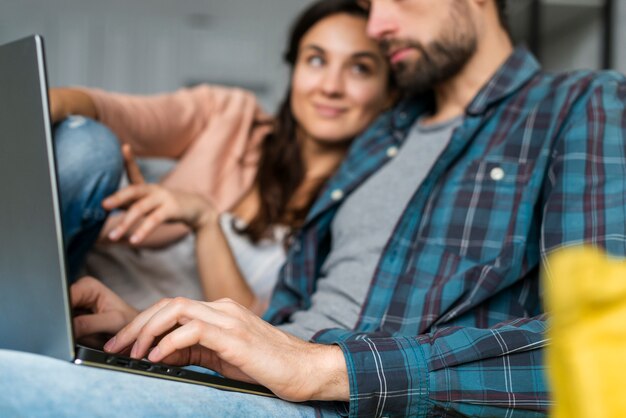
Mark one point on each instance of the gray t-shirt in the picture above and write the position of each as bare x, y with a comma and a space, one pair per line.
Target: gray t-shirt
363, 226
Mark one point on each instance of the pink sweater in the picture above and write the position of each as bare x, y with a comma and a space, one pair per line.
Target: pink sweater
214, 132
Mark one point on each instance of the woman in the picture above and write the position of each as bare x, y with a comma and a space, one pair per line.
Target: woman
243, 181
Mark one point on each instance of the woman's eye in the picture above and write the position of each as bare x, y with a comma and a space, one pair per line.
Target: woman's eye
361, 69
315, 61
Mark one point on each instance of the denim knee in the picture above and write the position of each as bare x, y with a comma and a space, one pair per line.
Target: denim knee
89, 166
87, 153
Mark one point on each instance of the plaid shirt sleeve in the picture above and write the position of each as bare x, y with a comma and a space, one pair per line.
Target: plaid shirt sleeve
489, 369
474, 370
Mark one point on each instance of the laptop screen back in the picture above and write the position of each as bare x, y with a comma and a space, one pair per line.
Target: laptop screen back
34, 308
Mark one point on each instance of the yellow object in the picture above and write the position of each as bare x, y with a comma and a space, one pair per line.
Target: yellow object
585, 293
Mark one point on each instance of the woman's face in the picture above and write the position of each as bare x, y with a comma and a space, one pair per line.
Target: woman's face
340, 80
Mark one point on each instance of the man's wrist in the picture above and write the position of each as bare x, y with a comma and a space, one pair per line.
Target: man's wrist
330, 375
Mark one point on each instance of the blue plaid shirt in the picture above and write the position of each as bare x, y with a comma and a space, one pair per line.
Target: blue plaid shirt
453, 320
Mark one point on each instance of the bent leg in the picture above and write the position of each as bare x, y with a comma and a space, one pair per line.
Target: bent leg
90, 166
39, 386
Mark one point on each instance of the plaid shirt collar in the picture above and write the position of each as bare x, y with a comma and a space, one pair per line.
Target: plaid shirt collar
517, 70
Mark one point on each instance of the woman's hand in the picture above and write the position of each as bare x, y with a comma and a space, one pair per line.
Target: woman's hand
133, 172
107, 312
150, 205
226, 337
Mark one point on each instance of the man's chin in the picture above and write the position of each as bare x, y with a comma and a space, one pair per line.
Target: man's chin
406, 75
413, 85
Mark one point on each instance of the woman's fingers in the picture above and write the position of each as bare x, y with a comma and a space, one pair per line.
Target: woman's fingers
141, 208
157, 205
125, 197
132, 169
148, 225
136, 212
153, 203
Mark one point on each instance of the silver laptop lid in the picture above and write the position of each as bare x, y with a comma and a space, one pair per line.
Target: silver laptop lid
34, 308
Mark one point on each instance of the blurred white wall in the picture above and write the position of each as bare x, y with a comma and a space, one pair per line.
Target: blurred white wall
147, 46
572, 35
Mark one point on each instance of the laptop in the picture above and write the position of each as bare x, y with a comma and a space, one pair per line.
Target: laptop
35, 310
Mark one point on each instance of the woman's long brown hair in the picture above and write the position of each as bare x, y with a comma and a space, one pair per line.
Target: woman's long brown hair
281, 168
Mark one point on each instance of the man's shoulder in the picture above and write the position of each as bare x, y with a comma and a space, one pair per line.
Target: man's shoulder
579, 82
562, 96
579, 99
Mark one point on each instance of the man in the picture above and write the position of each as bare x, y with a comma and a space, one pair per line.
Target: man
416, 274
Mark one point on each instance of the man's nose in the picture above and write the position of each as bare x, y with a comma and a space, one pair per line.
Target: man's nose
381, 21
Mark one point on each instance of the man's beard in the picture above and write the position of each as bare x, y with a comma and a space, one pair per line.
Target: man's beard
439, 60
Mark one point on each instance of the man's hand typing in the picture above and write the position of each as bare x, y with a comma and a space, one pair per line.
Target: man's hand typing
226, 337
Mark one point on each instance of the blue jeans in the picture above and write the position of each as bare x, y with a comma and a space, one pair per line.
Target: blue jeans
90, 166
36, 386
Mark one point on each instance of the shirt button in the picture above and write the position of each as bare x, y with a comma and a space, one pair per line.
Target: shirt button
497, 174
336, 195
392, 151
